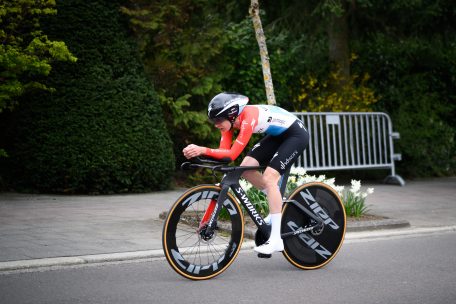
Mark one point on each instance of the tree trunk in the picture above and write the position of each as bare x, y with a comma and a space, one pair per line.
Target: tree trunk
339, 52
261, 39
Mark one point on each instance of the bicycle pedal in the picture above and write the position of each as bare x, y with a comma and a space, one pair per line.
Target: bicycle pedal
264, 256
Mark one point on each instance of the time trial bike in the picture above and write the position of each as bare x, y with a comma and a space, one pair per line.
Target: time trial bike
204, 229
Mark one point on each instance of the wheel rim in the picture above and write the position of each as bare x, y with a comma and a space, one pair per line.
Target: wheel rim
313, 250
186, 250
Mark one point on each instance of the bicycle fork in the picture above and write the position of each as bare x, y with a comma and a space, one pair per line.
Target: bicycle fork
209, 221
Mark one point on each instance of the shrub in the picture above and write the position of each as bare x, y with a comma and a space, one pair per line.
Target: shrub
416, 79
102, 130
353, 96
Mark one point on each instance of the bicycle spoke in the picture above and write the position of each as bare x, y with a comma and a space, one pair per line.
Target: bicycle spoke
215, 249
189, 247
187, 252
187, 232
182, 242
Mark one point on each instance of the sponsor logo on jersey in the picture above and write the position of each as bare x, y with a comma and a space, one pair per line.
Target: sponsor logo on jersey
288, 160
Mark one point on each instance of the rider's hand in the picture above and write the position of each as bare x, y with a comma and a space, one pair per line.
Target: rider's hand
193, 151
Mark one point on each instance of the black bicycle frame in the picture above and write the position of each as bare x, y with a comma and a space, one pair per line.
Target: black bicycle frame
231, 180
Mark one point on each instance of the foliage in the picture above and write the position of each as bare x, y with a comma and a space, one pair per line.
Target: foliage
416, 78
427, 141
256, 197
26, 52
408, 50
180, 44
319, 96
355, 200
102, 130
210, 46
299, 176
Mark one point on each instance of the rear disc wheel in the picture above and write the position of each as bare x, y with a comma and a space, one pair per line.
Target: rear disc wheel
315, 248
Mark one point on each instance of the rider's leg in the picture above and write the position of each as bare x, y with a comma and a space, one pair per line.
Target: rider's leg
253, 176
271, 178
256, 179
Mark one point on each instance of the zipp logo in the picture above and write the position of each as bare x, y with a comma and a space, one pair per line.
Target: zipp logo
198, 195
310, 241
316, 208
196, 269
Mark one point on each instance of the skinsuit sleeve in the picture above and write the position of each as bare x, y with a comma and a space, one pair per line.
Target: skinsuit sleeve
248, 119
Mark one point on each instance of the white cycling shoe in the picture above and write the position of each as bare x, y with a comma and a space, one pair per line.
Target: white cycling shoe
270, 247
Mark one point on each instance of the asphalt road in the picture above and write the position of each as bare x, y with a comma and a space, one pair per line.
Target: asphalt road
414, 269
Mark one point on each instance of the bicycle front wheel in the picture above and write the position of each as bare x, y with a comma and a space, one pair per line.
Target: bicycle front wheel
315, 248
188, 250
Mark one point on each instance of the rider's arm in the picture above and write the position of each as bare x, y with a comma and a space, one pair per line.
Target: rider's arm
239, 144
225, 141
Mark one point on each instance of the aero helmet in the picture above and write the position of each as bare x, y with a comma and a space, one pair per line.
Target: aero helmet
226, 106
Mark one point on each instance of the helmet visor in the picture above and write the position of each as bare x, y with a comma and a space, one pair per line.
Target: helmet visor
217, 120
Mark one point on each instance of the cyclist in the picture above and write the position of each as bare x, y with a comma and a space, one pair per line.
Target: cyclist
286, 138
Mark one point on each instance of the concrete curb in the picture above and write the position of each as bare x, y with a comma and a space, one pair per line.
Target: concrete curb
90, 259
351, 236
78, 260
388, 234
388, 223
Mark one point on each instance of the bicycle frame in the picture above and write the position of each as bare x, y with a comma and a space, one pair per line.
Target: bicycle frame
231, 181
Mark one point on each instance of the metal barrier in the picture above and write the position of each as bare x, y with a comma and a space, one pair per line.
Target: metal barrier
342, 140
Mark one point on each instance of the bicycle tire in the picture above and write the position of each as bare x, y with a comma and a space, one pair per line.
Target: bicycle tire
311, 250
185, 250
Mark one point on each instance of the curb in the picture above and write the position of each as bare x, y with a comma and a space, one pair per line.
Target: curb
387, 223
80, 260
90, 259
351, 236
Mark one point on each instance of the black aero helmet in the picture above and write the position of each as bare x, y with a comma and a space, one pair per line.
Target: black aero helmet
226, 106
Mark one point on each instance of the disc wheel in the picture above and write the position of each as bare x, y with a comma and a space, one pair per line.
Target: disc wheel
315, 248
188, 249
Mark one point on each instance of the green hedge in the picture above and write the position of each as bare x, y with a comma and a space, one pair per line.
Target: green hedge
102, 130
416, 80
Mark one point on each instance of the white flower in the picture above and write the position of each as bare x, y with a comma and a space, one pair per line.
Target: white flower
330, 181
370, 190
298, 171
339, 189
321, 178
245, 184
355, 186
